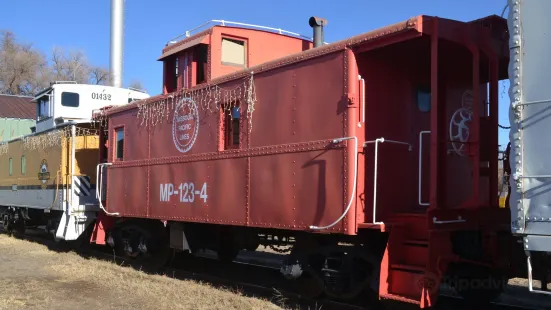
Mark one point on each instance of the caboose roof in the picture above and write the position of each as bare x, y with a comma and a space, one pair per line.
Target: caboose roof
202, 37
364, 40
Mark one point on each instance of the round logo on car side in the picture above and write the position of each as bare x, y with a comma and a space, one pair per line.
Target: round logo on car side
185, 125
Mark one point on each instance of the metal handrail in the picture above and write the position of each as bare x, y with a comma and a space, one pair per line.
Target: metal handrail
225, 22
420, 167
362, 81
335, 141
530, 280
99, 185
377, 141
459, 220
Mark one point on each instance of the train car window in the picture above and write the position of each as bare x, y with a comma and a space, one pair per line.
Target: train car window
232, 128
176, 73
423, 99
23, 165
233, 52
43, 108
11, 162
201, 57
105, 148
70, 99
119, 144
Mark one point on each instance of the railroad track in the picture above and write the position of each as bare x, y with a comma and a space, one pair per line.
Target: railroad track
267, 281
258, 280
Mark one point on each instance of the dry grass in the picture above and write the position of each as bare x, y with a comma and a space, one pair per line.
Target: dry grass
34, 277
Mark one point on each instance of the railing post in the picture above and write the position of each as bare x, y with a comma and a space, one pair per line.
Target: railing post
435, 157
474, 149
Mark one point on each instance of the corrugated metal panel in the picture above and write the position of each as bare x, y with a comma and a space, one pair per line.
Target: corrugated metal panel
530, 117
11, 128
17, 107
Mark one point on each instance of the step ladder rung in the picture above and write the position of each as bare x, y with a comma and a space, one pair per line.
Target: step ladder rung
419, 242
408, 267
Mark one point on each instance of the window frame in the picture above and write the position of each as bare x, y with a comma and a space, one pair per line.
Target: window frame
10, 171
23, 167
229, 129
245, 51
115, 143
201, 58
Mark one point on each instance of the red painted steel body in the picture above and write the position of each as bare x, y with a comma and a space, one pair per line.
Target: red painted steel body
287, 173
285, 162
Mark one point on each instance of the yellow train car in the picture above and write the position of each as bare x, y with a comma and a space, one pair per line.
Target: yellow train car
48, 178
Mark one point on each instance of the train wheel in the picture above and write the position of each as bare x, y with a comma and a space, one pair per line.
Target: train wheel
145, 247
340, 272
7, 220
347, 273
308, 285
14, 225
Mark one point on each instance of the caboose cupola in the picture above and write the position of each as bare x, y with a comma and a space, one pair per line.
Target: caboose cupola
224, 48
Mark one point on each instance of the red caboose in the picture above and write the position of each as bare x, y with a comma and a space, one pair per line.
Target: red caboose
375, 156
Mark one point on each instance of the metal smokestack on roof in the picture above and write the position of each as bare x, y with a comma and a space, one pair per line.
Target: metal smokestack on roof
117, 37
318, 23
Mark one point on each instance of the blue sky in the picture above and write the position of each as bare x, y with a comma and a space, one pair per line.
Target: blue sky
150, 24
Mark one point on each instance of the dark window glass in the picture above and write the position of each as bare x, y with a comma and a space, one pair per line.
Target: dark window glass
201, 54
232, 127
70, 99
119, 147
235, 126
423, 100
176, 73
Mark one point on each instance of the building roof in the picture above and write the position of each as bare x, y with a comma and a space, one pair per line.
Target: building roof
17, 107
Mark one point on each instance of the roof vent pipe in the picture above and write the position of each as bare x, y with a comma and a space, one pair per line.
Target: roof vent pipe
317, 23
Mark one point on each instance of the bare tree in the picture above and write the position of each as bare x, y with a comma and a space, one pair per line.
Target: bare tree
70, 66
100, 76
23, 70
137, 85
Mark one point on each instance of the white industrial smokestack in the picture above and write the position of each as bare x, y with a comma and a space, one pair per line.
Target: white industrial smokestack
117, 37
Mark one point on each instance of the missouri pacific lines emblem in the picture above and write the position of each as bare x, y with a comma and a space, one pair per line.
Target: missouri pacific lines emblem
185, 126
44, 174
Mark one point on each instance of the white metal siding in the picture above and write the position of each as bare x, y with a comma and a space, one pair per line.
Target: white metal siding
530, 90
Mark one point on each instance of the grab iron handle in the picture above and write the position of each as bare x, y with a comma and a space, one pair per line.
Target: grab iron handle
459, 220
421, 203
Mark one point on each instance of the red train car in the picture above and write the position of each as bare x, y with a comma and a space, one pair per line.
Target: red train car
375, 156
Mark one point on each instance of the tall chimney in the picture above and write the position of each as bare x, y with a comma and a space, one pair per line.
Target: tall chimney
117, 37
317, 23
